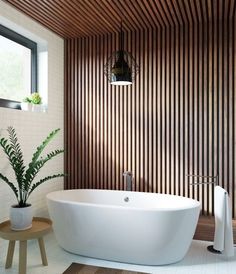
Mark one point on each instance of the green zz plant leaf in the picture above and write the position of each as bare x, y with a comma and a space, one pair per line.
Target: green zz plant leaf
25, 175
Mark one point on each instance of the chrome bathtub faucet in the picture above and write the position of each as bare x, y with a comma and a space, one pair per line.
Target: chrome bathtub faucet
129, 178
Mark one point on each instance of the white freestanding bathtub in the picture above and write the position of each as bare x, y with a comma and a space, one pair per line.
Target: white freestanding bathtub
132, 227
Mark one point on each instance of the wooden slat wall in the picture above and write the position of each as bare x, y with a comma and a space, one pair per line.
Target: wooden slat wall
177, 118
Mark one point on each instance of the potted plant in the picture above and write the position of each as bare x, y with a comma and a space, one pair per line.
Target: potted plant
36, 101
26, 104
24, 185
32, 103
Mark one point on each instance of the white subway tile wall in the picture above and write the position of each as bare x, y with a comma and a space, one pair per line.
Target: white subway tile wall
32, 128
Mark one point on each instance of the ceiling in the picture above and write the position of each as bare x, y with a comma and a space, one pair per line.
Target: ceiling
78, 18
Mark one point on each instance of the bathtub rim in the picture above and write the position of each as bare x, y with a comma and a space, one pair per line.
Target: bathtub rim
196, 204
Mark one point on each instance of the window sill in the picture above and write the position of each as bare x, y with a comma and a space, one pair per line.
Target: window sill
4, 103
33, 108
10, 104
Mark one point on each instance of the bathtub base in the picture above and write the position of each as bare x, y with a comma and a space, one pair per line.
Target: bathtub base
156, 263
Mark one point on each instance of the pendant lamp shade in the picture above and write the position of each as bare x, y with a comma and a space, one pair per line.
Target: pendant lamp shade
121, 67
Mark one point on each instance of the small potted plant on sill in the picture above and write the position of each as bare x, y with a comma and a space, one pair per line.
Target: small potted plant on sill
32, 103
21, 213
26, 104
36, 101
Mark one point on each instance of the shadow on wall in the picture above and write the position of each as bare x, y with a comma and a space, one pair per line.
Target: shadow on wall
96, 157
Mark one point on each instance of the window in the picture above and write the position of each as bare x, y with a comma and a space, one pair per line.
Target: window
18, 68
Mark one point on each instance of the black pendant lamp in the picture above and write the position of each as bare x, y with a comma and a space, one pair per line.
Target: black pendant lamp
121, 67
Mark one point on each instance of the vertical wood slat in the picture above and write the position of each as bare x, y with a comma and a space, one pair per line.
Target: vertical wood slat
234, 115
137, 114
172, 112
177, 118
158, 129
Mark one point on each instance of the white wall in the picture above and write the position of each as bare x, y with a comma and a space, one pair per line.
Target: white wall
32, 128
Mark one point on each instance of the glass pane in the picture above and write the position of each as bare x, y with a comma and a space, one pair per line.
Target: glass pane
15, 70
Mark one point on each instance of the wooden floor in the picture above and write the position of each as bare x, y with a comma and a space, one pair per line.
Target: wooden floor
76, 268
206, 228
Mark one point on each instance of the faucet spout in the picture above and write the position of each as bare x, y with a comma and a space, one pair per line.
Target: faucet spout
129, 178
